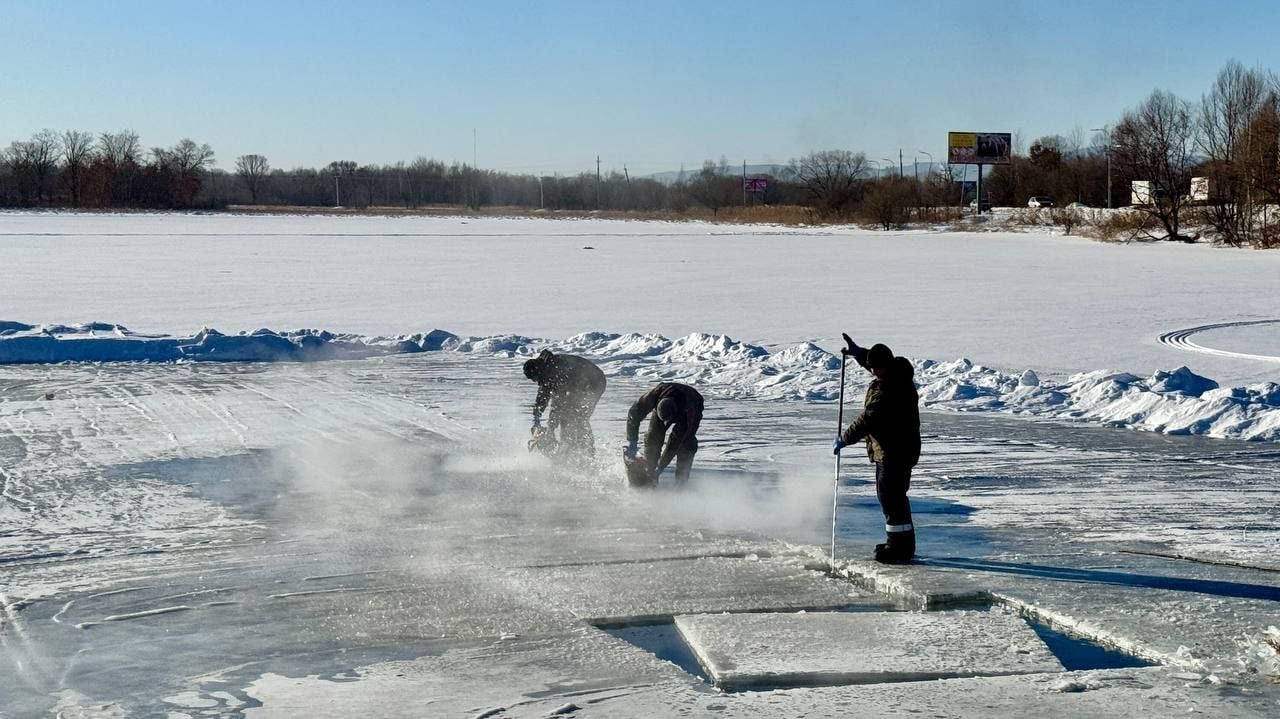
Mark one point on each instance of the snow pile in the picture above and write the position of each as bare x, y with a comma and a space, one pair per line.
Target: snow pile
1171, 402
1177, 402
101, 342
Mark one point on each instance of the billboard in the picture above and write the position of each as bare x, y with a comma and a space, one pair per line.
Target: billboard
755, 184
979, 148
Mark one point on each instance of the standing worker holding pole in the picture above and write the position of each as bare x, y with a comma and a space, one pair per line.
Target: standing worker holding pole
890, 423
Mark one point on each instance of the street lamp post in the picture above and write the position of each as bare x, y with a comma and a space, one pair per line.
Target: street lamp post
885, 159
1103, 129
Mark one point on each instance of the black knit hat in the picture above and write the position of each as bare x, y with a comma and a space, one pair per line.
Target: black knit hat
879, 356
533, 367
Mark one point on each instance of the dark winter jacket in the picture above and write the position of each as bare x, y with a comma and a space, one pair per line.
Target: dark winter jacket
890, 418
563, 375
688, 417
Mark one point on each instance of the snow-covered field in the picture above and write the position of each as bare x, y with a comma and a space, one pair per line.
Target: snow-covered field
1056, 305
366, 535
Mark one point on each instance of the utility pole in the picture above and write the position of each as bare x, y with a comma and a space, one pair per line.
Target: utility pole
1108, 176
979, 189
597, 182
337, 192
899, 162
1106, 130
744, 183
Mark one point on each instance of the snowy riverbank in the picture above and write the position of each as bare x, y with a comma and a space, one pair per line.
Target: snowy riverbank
1177, 401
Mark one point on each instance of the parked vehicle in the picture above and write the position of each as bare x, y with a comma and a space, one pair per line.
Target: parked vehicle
1078, 206
1040, 201
986, 206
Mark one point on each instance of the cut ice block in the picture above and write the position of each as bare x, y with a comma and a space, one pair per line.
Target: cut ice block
743, 651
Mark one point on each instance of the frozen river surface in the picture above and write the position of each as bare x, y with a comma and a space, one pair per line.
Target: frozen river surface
370, 536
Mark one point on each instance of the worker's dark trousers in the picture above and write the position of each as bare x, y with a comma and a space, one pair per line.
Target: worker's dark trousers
892, 481
653, 449
571, 414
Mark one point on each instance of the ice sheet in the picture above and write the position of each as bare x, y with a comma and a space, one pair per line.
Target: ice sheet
821, 648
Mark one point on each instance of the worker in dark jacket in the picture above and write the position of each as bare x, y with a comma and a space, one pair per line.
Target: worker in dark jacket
677, 407
571, 386
890, 423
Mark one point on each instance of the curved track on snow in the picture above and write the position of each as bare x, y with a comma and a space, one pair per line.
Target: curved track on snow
1180, 339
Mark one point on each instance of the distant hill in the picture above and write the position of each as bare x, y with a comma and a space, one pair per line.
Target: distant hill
671, 176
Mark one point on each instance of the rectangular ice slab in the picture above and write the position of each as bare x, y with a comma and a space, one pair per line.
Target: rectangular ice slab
743, 651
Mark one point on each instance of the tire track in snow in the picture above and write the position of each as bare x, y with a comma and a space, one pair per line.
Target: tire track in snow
1180, 339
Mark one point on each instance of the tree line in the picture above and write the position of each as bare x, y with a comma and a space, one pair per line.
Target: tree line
1231, 136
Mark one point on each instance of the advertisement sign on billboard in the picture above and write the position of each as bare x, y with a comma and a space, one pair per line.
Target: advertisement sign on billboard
979, 148
754, 184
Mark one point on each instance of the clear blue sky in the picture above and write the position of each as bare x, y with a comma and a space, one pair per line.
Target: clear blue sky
651, 84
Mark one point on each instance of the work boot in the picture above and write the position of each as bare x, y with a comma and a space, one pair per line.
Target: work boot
886, 554
900, 549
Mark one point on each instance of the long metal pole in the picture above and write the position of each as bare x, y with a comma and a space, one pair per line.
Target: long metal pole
835, 492
979, 189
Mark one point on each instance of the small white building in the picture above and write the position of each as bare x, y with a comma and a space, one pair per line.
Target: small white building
1140, 192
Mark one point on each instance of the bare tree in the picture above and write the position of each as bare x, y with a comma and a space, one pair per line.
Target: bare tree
888, 200
188, 158
120, 153
253, 171
714, 185
77, 153
1264, 164
188, 161
1156, 142
340, 169
831, 177
120, 148
1227, 120
34, 162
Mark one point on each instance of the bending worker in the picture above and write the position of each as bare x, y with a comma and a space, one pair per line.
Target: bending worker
571, 386
674, 406
890, 423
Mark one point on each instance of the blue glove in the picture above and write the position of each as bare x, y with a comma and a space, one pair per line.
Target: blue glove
837, 445
630, 451
537, 421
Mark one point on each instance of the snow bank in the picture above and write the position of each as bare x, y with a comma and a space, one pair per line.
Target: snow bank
100, 342
1171, 402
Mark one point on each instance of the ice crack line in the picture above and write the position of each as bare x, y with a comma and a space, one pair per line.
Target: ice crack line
1179, 339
